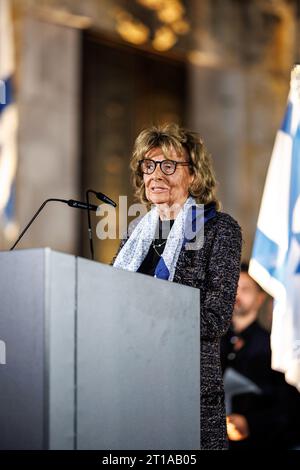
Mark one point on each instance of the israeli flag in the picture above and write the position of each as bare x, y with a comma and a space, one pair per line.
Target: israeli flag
8, 120
275, 262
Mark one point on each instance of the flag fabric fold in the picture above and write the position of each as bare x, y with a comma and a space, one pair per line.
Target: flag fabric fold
275, 260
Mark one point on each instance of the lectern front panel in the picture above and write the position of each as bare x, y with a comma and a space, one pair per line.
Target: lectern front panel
137, 353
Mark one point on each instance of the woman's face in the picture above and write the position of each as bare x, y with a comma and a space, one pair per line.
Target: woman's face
168, 189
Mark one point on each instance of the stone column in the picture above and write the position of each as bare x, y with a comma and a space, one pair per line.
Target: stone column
49, 134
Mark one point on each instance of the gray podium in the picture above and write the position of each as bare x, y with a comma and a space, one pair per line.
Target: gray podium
93, 357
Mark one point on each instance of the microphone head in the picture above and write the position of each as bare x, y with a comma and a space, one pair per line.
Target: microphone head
102, 197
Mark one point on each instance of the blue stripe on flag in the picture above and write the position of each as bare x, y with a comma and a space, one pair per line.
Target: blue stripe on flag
265, 252
9, 210
295, 178
295, 188
8, 93
287, 120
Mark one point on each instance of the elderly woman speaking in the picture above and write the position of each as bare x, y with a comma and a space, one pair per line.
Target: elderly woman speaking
172, 173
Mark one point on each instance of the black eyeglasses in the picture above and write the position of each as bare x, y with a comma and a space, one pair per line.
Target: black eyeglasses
168, 167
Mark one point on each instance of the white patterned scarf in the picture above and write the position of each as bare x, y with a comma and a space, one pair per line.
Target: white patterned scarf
188, 223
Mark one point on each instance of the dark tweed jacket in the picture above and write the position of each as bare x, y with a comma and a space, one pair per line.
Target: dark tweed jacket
214, 269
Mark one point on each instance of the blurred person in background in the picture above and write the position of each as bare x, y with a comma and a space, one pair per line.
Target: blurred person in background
263, 411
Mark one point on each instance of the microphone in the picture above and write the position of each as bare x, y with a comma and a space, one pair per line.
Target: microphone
102, 197
70, 202
81, 205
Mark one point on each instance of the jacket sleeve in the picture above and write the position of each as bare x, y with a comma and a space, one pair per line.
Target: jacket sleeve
221, 280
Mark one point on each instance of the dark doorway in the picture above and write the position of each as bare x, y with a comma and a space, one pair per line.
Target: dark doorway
124, 90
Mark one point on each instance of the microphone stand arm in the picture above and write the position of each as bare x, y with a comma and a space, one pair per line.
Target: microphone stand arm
34, 217
70, 202
90, 234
